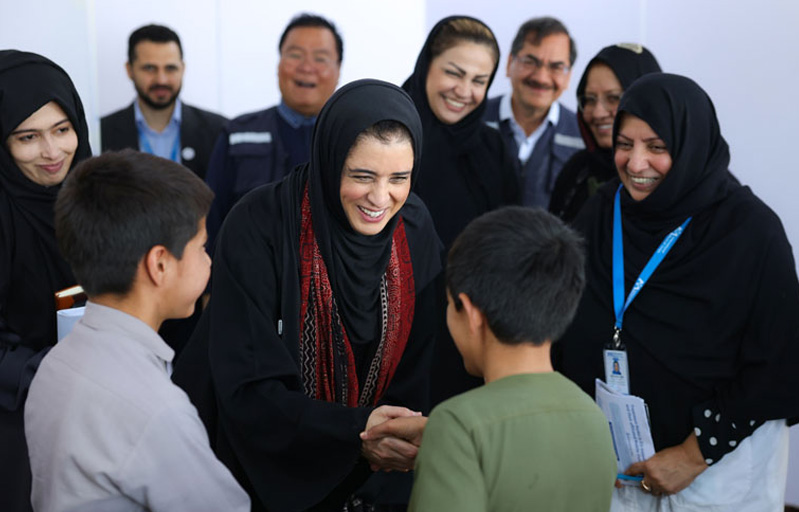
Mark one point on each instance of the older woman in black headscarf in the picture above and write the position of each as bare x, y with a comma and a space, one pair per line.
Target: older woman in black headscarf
321, 311
711, 335
44, 134
466, 170
605, 78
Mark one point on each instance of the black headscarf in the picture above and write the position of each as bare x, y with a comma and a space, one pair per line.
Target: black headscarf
28, 82
459, 134
716, 323
683, 115
248, 341
31, 267
356, 262
462, 163
589, 168
628, 62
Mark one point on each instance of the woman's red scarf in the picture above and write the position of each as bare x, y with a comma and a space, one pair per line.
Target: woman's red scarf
327, 362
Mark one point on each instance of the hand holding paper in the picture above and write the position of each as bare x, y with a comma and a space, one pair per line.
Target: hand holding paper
629, 426
672, 469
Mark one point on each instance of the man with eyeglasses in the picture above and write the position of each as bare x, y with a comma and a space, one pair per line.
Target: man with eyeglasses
262, 147
541, 133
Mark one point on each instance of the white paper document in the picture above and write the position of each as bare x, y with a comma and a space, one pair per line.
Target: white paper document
629, 425
66, 320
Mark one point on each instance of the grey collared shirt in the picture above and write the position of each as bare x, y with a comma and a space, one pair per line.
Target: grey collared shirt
108, 431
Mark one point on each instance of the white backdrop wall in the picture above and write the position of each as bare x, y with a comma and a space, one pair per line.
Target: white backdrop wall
230, 48
65, 33
742, 53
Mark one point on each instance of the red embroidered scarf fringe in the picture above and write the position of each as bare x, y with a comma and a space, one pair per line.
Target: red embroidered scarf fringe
327, 362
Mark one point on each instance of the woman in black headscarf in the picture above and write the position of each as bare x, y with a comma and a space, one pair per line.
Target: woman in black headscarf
321, 311
605, 78
44, 134
466, 170
712, 337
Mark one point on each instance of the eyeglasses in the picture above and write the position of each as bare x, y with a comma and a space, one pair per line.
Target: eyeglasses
610, 101
318, 62
531, 63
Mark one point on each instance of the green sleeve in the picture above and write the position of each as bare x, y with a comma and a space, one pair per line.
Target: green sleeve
447, 474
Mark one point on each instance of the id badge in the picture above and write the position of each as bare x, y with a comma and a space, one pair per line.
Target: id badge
617, 373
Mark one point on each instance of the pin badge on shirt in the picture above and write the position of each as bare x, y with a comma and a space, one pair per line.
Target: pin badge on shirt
188, 153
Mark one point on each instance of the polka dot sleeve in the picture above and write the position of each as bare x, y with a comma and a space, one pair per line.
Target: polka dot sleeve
718, 435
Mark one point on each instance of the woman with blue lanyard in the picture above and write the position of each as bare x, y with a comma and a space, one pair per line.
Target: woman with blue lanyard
692, 288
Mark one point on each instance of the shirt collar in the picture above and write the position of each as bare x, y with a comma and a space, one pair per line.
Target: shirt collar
177, 114
506, 112
104, 318
294, 118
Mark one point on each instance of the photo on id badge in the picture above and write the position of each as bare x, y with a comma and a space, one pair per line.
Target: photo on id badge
617, 374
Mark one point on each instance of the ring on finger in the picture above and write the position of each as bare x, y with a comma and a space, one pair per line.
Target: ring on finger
645, 486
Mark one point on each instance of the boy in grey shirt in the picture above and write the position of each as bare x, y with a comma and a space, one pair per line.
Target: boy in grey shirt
106, 428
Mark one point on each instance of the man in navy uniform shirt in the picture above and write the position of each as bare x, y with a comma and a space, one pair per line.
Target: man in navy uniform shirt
262, 147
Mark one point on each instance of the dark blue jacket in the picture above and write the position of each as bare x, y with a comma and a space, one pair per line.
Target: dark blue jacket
248, 153
553, 149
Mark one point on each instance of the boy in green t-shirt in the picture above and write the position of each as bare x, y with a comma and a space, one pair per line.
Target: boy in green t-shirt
529, 439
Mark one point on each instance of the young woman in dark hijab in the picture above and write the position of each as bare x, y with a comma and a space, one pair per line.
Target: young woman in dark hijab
711, 339
465, 172
465, 169
321, 312
607, 76
44, 134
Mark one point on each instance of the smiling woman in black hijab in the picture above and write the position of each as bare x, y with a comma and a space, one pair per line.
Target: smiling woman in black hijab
321, 311
712, 338
466, 171
605, 78
44, 134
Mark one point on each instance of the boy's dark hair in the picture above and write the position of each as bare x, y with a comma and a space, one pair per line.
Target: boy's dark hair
523, 268
112, 209
537, 29
313, 20
154, 33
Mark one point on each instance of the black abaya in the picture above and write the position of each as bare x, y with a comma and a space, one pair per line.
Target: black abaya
714, 331
290, 451
465, 169
31, 267
466, 172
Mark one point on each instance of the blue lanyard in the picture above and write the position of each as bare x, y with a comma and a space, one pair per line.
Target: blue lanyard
147, 148
619, 304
